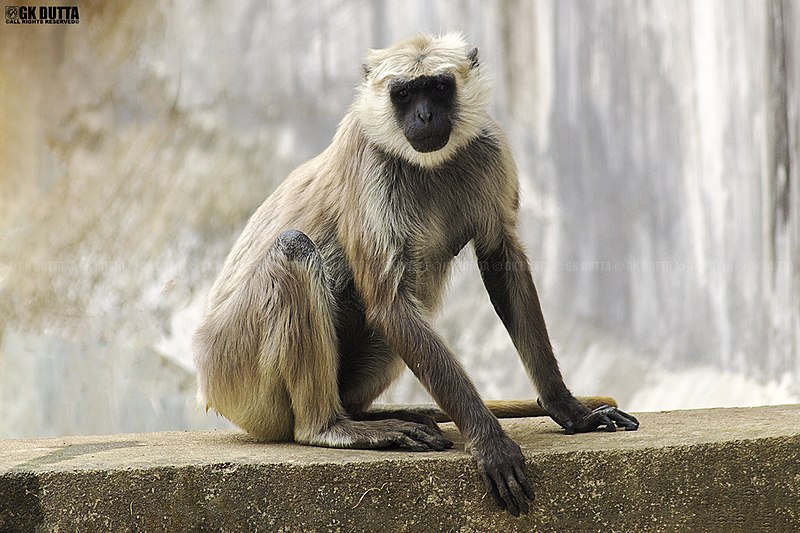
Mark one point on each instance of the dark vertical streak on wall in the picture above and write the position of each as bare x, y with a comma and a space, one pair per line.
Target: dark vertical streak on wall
780, 157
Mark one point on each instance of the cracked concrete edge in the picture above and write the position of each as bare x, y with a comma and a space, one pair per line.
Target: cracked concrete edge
706, 470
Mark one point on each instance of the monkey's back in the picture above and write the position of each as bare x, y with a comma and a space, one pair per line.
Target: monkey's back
306, 200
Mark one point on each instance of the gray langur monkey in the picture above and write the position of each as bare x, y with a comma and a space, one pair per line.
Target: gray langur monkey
328, 293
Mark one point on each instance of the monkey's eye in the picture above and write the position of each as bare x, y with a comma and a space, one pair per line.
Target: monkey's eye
440, 87
401, 95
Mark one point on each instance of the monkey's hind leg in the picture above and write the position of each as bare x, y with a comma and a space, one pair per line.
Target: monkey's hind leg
304, 345
364, 373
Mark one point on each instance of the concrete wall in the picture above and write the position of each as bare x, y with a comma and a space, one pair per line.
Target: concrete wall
715, 470
658, 152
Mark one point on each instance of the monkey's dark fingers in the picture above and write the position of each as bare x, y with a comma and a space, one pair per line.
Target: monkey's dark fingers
610, 417
508, 498
436, 441
501, 466
427, 430
407, 443
595, 419
623, 420
523, 481
509, 487
491, 488
437, 444
426, 436
512, 492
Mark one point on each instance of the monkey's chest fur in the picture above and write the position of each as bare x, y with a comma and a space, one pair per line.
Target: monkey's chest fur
418, 220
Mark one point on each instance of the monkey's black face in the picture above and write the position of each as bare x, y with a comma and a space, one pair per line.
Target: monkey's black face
423, 107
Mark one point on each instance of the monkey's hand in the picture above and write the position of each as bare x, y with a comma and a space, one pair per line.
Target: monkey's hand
502, 469
575, 417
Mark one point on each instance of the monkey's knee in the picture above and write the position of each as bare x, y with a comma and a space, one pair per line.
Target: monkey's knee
296, 245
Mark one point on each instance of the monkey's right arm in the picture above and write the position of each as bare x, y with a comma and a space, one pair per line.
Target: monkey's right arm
500, 460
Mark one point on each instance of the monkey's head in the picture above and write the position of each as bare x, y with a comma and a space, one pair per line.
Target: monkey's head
423, 98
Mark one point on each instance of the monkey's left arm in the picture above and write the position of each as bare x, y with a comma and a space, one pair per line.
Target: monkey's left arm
507, 277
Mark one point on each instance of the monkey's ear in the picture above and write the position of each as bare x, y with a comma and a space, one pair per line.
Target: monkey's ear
365, 70
472, 55
371, 60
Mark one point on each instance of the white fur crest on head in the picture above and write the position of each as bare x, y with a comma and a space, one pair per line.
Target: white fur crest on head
422, 55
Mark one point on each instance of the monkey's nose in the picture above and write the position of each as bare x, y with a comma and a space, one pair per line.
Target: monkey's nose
424, 114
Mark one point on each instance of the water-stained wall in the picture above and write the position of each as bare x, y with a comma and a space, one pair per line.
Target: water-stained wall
657, 144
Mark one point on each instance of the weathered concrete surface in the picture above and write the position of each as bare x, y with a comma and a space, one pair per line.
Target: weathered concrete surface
711, 470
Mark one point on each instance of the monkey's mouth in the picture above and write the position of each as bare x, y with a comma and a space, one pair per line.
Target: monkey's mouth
429, 143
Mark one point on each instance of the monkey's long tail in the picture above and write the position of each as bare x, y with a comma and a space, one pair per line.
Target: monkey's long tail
504, 408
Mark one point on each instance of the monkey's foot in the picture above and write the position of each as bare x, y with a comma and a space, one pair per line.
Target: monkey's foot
575, 417
407, 415
389, 433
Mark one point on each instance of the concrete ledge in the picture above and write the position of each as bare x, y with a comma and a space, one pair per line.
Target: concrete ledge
710, 470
